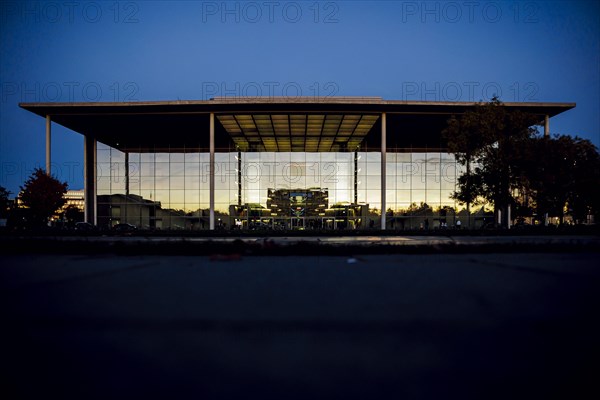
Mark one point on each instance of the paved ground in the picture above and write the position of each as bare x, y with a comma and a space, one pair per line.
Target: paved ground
425, 240
458, 326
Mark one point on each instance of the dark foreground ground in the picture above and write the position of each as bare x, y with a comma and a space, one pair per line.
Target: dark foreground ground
400, 326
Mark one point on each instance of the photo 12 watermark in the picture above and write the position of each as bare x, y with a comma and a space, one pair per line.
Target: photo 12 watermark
68, 91
276, 172
453, 12
469, 91
268, 89
70, 12
252, 12
20, 171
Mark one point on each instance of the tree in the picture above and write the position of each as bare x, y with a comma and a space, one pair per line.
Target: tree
500, 161
562, 172
546, 170
584, 199
72, 214
42, 194
491, 137
4, 202
465, 141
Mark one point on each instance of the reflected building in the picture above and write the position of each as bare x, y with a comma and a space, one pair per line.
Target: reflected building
74, 198
278, 163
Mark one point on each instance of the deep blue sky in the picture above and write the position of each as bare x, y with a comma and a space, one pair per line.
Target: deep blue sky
405, 50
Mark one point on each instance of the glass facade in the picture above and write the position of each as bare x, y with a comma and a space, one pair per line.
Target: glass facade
289, 163
325, 190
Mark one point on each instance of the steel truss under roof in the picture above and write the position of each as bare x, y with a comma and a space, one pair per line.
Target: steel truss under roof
297, 132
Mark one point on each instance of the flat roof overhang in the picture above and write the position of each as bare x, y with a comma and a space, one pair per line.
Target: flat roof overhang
267, 124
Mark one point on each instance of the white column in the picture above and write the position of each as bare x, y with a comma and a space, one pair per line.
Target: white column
547, 126
48, 144
126, 174
383, 172
212, 173
89, 179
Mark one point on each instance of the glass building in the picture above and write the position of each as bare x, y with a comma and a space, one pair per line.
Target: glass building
269, 163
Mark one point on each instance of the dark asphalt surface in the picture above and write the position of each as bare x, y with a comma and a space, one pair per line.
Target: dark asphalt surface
455, 326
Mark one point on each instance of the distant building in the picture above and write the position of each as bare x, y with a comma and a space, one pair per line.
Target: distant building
299, 202
74, 198
144, 214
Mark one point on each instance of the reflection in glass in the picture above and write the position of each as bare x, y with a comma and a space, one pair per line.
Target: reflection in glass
169, 190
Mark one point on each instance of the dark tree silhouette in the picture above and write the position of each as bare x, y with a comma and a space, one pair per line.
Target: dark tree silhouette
563, 173
584, 198
72, 214
4, 202
487, 141
42, 194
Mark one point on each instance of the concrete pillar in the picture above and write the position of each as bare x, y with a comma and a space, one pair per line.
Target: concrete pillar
356, 177
89, 179
547, 126
383, 171
239, 177
126, 174
48, 145
212, 173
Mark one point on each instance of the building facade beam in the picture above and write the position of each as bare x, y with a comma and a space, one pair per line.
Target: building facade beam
48, 145
383, 169
355, 173
89, 179
126, 173
212, 173
239, 177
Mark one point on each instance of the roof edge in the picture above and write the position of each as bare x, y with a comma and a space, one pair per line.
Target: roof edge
288, 100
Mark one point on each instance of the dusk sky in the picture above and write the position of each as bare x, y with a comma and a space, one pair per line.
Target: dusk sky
404, 50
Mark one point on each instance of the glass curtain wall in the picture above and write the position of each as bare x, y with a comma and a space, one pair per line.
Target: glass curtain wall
276, 190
